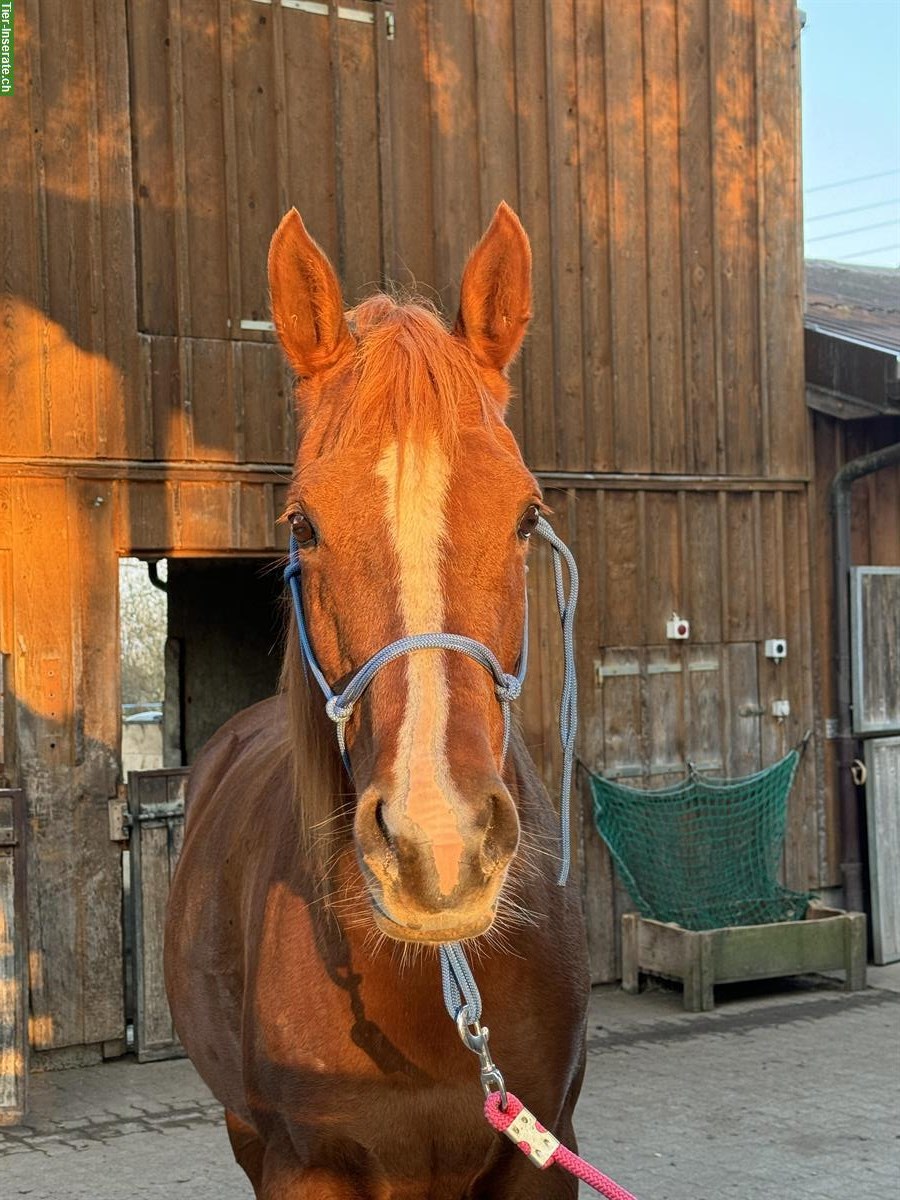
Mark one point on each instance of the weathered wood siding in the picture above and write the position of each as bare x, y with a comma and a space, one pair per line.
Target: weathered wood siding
652, 151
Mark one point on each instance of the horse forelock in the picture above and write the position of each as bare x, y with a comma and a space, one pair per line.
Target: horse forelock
410, 381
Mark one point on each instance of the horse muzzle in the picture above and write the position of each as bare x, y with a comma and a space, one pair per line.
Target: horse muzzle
435, 871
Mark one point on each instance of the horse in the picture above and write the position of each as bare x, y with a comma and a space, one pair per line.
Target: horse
310, 898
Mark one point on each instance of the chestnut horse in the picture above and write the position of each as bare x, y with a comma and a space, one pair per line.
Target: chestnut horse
306, 911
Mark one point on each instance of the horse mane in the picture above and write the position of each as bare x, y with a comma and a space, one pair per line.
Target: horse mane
410, 379
321, 789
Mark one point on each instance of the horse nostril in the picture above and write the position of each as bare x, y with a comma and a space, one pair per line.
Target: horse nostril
381, 824
501, 834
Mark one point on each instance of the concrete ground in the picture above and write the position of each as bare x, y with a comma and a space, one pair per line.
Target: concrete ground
787, 1090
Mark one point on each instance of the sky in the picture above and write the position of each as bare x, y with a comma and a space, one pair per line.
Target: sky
851, 130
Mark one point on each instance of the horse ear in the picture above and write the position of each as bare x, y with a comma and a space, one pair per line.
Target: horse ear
495, 297
306, 299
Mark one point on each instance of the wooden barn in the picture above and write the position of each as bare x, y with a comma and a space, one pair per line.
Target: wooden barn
652, 151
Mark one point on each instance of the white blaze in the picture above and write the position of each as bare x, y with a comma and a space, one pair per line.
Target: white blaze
416, 481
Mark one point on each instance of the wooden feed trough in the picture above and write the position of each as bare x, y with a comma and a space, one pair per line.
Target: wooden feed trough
826, 940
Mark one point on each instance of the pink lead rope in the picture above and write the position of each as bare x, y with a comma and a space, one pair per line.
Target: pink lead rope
521, 1127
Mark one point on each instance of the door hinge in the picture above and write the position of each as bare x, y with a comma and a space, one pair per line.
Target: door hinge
390, 25
117, 808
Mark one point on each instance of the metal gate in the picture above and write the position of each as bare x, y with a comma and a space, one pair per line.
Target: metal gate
156, 820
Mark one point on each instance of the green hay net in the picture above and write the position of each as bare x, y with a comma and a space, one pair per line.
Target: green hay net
703, 853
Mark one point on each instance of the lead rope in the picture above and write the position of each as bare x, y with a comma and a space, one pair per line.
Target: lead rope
461, 995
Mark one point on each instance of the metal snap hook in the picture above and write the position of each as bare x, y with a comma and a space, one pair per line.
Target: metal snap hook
491, 1076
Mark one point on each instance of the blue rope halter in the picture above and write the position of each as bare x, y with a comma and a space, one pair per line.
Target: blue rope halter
461, 993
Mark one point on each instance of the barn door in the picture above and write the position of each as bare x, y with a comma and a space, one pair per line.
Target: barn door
875, 631
241, 108
156, 819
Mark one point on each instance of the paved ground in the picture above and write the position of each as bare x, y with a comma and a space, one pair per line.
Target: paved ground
789, 1092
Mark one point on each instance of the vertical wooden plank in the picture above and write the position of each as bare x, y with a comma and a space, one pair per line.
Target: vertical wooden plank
622, 715
705, 571
69, 195
212, 400
166, 415
357, 150
252, 47
269, 433
622, 595
20, 283
495, 89
702, 395
565, 267
663, 588
120, 432
661, 128
98, 709
154, 885
531, 117
774, 677
201, 111
805, 859
454, 141
311, 145
42, 587
495, 83
665, 713
13, 960
385, 157
739, 585
411, 180
206, 516
704, 700
732, 50
254, 524
743, 741
154, 801
624, 72
781, 251
151, 66
595, 283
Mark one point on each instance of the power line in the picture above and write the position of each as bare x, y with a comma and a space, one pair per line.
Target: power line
823, 187
866, 253
827, 237
846, 212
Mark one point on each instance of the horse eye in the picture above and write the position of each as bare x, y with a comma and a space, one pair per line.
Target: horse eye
529, 521
302, 529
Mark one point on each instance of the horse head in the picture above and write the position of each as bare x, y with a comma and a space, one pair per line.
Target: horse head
411, 511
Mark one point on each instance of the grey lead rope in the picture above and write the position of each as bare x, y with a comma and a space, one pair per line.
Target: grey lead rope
459, 987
